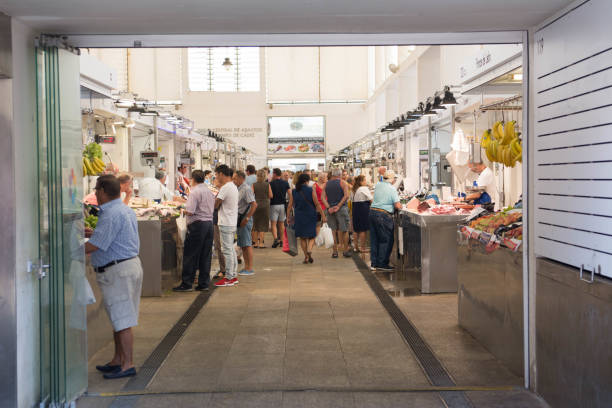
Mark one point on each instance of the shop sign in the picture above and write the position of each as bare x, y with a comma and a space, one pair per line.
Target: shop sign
488, 58
239, 132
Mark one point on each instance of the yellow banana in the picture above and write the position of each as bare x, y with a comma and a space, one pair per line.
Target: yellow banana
486, 138
495, 149
84, 169
88, 166
498, 131
100, 165
509, 133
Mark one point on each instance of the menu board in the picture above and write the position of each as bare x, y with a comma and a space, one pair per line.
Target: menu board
304, 135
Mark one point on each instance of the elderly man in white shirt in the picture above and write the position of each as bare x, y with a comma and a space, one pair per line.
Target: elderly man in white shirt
156, 190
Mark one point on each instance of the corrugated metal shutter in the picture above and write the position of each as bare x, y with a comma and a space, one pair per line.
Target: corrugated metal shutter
573, 138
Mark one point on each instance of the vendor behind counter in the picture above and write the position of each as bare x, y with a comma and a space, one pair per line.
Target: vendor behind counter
485, 180
155, 189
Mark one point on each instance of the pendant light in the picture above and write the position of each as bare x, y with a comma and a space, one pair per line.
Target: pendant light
428, 109
227, 64
449, 98
437, 105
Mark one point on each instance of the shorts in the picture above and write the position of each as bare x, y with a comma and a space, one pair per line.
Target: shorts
339, 221
278, 213
121, 287
244, 235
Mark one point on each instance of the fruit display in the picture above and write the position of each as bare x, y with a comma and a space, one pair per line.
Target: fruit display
502, 144
491, 223
92, 160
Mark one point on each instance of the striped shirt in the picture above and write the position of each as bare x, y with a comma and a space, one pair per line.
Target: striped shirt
200, 203
116, 234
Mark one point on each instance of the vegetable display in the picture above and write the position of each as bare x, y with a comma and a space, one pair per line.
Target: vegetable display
92, 160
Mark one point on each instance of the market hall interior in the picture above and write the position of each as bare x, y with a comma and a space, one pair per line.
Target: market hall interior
477, 142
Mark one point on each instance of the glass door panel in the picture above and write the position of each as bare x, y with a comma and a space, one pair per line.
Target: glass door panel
63, 293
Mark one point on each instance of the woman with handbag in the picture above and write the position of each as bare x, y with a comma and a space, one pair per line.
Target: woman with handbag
305, 204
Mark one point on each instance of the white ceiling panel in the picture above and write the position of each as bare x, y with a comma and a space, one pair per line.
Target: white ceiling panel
273, 16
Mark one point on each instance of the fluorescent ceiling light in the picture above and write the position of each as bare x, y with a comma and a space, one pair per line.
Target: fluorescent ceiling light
124, 103
517, 77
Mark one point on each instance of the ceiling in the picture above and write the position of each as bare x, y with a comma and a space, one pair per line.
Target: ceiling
278, 16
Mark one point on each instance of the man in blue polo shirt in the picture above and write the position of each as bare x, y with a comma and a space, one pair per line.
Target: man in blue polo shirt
386, 201
114, 247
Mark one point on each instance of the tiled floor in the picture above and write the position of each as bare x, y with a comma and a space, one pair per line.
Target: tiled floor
299, 335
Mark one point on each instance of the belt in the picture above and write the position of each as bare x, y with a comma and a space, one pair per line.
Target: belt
381, 210
100, 269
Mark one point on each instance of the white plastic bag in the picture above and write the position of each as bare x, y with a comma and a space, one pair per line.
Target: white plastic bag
325, 237
181, 226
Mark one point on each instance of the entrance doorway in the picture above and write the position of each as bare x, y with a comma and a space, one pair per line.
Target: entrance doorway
62, 177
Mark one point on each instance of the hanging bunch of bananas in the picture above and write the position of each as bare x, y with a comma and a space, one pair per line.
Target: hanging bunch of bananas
502, 144
92, 160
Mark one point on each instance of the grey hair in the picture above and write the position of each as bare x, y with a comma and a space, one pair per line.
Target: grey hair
159, 174
336, 173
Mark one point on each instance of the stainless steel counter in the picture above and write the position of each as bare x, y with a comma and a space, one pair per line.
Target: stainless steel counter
428, 249
490, 299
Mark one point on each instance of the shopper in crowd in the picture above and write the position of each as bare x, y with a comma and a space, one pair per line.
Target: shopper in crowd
308, 172
247, 205
345, 175
113, 247
280, 188
125, 180
251, 176
362, 198
384, 204
197, 251
335, 198
305, 205
381, 172
217, 243
182, 181
227, 203
319, 187
288, 177
208, 177
268, 175
261, 218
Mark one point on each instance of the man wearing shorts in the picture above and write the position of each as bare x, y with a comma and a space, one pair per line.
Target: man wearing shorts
335, 198
114, 246
280, 188
246, 208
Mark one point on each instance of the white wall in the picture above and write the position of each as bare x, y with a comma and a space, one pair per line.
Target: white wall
26, 197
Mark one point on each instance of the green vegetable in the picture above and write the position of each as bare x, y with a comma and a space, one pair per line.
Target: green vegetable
93, 150
91, 221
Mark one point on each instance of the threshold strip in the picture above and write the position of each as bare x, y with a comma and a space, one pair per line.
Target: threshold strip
431, 365
152, 364
301, 389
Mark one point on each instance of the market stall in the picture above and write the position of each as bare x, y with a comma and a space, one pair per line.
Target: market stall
490, 278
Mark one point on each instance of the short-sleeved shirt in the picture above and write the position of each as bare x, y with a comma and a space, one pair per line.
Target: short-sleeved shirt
362, 194
486, 179
251, 179
116, 234
245, 197
201, 203
228, 211
385, 196
279, 191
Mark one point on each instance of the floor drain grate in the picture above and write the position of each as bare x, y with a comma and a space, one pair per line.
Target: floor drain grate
432, 367
150, 367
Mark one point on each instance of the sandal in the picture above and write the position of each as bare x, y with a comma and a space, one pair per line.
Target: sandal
335, 255
310, 260
219, 275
